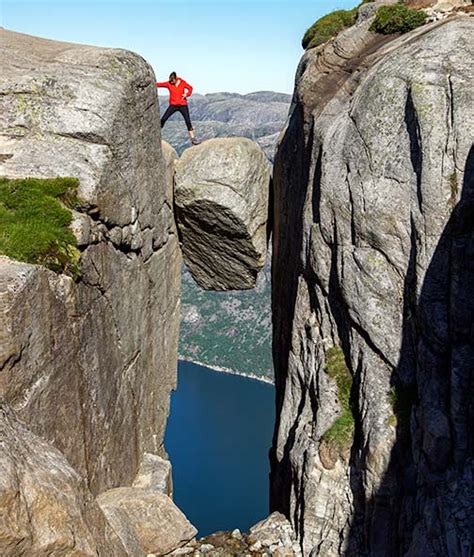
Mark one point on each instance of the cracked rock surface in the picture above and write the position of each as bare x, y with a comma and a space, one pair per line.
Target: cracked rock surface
221, 198
146, 521
89, 365
45, 507
372, 274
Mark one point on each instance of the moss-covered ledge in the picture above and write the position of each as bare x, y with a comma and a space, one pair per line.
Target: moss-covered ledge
337, 440
35, 215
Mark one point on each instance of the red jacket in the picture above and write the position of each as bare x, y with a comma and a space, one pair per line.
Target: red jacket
177, 91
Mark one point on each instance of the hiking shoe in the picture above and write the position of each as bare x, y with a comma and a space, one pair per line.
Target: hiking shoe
195, 141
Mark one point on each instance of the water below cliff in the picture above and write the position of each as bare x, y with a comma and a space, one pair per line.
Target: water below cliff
218, 436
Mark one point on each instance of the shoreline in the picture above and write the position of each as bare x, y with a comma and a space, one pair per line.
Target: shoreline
227, 370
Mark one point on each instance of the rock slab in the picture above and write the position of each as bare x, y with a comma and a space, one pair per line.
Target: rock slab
45, 507
146, 521
221, 199
155, 474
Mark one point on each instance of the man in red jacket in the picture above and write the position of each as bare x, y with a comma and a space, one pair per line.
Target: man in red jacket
179, 92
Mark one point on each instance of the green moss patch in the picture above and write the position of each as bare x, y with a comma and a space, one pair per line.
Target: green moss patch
397, 18
341, 433
34, 222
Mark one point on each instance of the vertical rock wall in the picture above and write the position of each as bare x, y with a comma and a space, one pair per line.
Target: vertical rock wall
372, 296
89, 365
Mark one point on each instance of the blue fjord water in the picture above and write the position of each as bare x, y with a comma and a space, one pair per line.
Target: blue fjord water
218, 437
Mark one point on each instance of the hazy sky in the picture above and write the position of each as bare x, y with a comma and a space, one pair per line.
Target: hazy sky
216, 45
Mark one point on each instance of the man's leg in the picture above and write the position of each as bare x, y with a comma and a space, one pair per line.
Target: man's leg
168, 112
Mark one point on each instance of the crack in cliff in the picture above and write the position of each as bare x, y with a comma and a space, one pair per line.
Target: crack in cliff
13, 359
351, 202
416, 154
85, 137
364, 142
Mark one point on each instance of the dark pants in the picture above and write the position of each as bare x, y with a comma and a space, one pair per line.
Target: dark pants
172, 108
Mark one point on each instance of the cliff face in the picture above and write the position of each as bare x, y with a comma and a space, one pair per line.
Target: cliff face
89, 365
45, 508
372, 295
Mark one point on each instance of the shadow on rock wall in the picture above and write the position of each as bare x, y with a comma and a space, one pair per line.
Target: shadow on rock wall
424, 504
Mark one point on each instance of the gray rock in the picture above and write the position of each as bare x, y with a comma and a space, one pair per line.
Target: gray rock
146, 521
221, 197
170, 156
274, 531
90, 365
46, 508
155, 474
372, 249
206, 547
256, 546
369, 9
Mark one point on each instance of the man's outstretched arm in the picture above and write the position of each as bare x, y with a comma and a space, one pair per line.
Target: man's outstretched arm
163, 84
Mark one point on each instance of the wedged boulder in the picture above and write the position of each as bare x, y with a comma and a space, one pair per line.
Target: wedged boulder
146, 521
221, 199
45, 507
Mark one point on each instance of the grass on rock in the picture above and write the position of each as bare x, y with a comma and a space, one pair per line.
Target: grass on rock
341, 432
397, 18
329, 26
34, 222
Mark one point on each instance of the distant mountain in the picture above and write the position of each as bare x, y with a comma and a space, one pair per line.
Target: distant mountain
259, 116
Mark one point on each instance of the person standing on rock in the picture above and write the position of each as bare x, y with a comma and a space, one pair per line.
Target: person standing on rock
179, 93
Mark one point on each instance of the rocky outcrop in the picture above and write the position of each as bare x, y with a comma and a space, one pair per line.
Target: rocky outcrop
99, 353
146, 521
221, 198
45, 508
274, 536
372, 296
154, 474
88, 364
